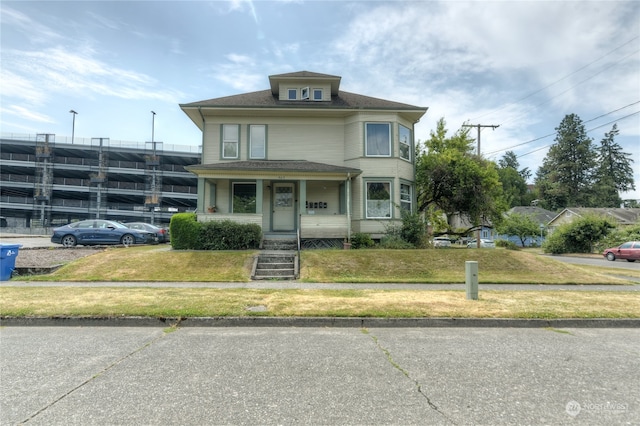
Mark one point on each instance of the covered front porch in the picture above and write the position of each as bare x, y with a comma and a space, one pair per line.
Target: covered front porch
311, 200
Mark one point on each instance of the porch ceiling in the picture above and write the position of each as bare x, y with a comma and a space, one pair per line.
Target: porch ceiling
273, 169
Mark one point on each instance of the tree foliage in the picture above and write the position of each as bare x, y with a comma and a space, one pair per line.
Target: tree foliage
514, 181
520, 225
451, 178
614, 173
578, 236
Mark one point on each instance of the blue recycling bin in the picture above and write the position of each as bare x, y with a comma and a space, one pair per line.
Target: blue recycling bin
8, 254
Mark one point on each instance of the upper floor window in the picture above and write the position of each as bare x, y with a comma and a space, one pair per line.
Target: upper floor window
292, 94
230, 140
304, 93
317, 94
405, 142
257, 141
378, 139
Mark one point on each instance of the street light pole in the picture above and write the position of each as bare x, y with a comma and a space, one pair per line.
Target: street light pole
73, 126
153, 128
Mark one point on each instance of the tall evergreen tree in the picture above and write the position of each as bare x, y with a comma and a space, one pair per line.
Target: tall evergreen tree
567, 174
614, 173
514, 181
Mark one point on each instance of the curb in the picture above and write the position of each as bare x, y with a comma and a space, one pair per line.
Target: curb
337, 322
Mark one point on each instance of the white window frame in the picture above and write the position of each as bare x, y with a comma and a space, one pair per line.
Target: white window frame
290, 92
304, 93
369, 135
316, 92
378, 208
229, 140
406, 197
404, 141
257, 142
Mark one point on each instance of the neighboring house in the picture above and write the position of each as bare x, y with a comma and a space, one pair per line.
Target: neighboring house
461, 222
304, 156
539, 215
622, 216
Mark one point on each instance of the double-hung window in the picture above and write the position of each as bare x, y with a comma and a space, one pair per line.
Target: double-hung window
405, 197
378, 139
405, 142
230, 141
257, 141
244, 197
378, 200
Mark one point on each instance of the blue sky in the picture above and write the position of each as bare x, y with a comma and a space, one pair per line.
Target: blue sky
520, 65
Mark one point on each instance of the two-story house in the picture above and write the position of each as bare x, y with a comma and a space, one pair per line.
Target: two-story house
305, 157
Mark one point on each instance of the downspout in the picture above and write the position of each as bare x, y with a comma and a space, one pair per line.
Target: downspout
349, 207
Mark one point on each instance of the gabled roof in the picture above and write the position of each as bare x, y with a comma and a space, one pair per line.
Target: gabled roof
623, 216
307, 77
538, 214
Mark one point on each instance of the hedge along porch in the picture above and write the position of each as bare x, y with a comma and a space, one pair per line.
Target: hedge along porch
280, 196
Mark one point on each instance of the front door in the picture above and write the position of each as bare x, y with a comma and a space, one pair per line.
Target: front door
284, 212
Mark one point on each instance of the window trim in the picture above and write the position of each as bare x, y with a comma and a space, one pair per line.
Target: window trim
389, 182
251, 156
409, 144
304, 93
316, 91
366, 139
291, 91
411, 198
223, 142
233, 187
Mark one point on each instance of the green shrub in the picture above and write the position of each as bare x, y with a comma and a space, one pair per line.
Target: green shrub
185, 231
361, 240
508, 244
579, 236
394, 242
413, 229
229, 235
619, 236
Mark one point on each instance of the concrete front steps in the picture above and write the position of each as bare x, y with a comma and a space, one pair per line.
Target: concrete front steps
275, 266
278, 259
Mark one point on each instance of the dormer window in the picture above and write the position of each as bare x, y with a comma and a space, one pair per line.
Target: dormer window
317, 94
304, 93
292, 94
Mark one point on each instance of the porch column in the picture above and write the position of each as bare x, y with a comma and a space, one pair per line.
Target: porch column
348, 202
302, 198
259, 193
201, 208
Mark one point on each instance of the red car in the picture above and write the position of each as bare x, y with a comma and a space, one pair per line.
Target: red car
629, 250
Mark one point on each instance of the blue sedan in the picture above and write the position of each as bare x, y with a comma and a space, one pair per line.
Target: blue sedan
97, 231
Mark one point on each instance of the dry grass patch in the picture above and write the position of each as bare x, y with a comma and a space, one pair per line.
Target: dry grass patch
442, 266
194, 302
153, 263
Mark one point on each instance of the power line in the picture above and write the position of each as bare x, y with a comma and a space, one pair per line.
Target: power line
551, 134
564, 78
588, 131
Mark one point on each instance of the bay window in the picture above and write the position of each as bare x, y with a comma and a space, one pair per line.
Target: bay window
404, 136
378, 139
378, 202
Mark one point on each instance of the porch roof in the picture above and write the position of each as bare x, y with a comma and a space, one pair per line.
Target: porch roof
271, 168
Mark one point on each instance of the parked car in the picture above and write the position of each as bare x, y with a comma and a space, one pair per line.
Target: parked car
483, 244
161, 233
441, 242
98, 231
629, 250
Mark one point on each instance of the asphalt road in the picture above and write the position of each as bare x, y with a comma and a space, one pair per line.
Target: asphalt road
319, 376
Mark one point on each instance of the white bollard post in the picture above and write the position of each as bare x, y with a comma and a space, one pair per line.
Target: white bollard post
471, 274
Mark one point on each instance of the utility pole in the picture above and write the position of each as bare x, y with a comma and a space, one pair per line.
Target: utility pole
480, 126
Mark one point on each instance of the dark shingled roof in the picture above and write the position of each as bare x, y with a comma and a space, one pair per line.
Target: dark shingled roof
276, 165
264, 98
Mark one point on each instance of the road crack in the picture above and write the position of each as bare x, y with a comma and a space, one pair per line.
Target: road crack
93, 377
406, 373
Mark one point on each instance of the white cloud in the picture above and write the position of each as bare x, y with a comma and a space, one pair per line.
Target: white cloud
26, 114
